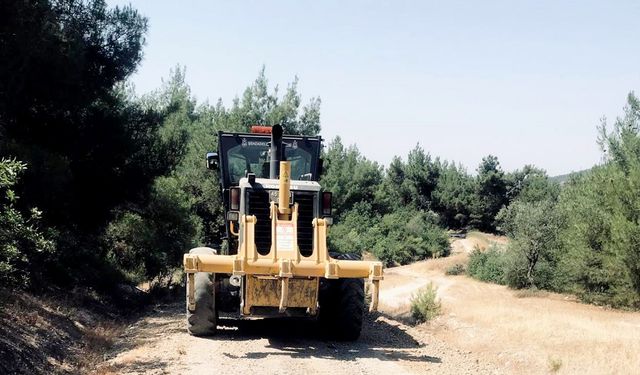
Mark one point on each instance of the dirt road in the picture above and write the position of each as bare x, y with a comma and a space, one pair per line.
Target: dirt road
159, 345
484, 328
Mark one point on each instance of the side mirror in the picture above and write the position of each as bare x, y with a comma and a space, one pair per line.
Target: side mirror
320, 167
212, 160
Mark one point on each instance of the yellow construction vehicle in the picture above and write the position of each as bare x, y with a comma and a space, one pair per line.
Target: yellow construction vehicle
276, 262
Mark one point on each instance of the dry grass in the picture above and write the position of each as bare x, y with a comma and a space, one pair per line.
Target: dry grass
368, 256
554, 365
105, 370
97, 341
486, 239
533, 331
475, 240
531, 293
585, 338
102, 337
63, 332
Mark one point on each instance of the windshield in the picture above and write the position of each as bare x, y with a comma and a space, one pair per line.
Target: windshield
251, 154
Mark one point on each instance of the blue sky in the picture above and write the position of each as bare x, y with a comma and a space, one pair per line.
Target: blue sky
525, 81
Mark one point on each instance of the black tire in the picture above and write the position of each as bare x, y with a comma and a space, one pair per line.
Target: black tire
342, 305
202, 321
350, 309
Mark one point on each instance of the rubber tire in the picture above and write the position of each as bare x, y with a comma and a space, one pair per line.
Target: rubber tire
203, 320
350, 309
342, 305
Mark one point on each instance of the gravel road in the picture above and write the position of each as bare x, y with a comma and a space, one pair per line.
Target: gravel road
483, 329
158, 344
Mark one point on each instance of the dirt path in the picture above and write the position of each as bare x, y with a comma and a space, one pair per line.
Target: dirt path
159, 345
484, 329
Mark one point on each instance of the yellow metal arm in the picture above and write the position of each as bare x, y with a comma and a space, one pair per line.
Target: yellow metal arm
331, 270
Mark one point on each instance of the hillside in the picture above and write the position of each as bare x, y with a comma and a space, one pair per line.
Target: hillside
562, 178
56, 332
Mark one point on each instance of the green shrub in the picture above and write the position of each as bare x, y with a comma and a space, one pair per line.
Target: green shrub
488, 265
151, 242
24, 246
456, 269
515, 268
357, 230
401, 237
408, 235
532, 254
425, 304
547, 275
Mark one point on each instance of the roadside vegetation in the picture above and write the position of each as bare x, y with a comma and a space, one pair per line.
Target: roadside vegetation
582, 239
425, 304
100, 185
487, 265
401, 213
456, 269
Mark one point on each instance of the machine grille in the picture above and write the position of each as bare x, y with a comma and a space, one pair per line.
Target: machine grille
259, 206
305, 222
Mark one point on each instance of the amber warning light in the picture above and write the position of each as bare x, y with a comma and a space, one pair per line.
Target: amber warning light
261, 129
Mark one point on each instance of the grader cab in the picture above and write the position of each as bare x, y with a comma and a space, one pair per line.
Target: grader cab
276, 262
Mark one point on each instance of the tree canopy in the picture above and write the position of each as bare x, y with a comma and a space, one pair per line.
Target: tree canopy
92, 172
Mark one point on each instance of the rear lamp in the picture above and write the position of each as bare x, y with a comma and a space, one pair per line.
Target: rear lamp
234, 199
259, 129
326, 203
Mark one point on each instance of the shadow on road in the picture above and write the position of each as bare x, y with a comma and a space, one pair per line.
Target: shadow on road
381, 338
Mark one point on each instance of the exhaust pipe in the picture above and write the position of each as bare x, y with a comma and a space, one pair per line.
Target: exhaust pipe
276, 152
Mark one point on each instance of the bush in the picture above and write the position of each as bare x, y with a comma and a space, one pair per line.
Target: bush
425, 304
24, 246
151, 242
409, 235
456, 269
532, 255
400, 237
357, 230
515, 268
488, 265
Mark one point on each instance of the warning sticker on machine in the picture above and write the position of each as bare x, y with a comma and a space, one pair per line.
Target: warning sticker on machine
284, 235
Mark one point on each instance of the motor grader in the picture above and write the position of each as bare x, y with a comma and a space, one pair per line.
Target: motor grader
276, 262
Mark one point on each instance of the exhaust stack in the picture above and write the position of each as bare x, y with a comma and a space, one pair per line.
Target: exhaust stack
276, 152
